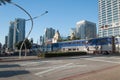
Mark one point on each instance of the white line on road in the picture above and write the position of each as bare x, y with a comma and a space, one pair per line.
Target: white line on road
103, 61
42, 68
40, 73
29, 63
114, 58
37, 63
71, 66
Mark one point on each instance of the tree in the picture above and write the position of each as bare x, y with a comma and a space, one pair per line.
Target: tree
26, 44
4, 1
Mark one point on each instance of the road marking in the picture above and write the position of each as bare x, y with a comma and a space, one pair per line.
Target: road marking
37, 63
55, 66
114, 58
29, 63
40, 73
106, 58
53, 61
103, 61
41, 68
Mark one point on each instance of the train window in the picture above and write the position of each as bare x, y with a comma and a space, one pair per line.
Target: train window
74, 49
63, 49
69, 43
78, 42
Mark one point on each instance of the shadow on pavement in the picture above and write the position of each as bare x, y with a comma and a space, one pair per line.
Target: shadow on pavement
11, 73
9, 65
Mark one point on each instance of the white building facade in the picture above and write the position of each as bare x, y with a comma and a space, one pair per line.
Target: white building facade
109, 18
85, 29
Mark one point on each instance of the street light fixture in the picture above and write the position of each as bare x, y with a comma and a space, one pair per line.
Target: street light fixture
31, 25
31, 19
29, 32
9, 1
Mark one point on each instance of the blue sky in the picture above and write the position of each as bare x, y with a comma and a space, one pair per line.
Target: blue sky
62, 15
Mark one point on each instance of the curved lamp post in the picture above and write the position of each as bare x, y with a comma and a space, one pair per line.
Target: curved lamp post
9, 1
31, 25
30, 18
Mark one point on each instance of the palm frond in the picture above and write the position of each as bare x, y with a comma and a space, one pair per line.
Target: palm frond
4, 2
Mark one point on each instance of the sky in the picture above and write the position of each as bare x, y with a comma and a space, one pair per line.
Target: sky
62, 15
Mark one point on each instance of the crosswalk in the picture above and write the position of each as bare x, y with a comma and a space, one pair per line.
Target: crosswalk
35, 63
39, 70
42, 68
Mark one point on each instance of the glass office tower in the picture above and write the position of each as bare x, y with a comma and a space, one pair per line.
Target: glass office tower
109, 18
19, 31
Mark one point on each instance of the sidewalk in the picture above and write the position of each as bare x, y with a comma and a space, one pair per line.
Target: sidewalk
16, 58
111, 73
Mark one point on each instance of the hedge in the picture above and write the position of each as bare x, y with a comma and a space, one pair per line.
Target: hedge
62, 54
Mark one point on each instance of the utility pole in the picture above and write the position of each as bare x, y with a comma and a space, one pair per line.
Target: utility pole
113, 45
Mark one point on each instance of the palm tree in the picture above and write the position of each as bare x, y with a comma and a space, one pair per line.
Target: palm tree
4, 1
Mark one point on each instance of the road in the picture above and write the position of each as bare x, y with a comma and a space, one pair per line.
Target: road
56, 68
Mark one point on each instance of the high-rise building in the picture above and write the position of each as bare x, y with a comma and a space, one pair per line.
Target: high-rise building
41, 40
85, 29
10, 35
49, 33
0, 48
109, 18
6, 41
19, 31
16, 32
0, 45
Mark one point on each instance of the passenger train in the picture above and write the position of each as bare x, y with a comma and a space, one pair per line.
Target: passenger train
96, 45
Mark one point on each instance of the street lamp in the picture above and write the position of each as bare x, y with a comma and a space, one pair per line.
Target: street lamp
30, 31
31, 25
27, 37
9, 1
30, 18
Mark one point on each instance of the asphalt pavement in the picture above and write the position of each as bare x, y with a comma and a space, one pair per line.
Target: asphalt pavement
64, 68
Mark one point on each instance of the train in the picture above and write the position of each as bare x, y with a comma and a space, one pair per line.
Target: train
104, 45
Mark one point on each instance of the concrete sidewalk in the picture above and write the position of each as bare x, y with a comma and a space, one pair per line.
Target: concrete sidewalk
16, 58
111, 73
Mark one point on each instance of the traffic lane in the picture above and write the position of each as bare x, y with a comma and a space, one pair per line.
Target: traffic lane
61, 73
13, 71
57, 69
108, 73
9, 70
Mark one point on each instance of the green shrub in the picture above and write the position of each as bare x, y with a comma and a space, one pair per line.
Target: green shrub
62, 54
